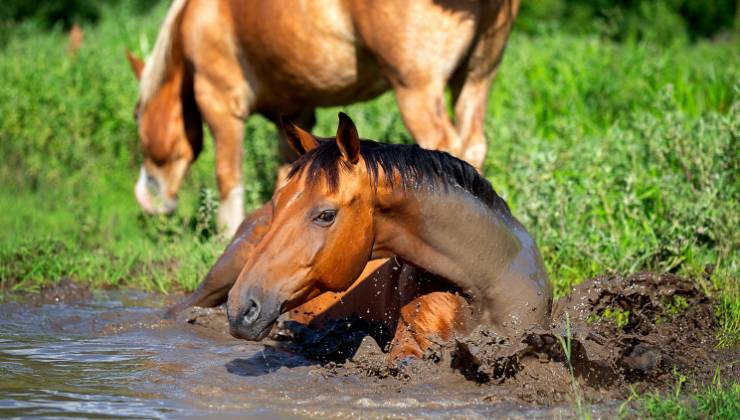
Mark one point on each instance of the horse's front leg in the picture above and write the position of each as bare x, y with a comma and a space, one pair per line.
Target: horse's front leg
435, 315
214, 288
424, 113
427, 313
471, 83
223, 100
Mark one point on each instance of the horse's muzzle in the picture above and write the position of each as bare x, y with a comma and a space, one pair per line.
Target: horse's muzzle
252, 319
150, 194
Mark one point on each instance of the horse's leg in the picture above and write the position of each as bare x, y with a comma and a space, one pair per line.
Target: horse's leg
224, 98
214, 288
424, 113
224, 110
305, 119
426, 312
435, 314
471, 84
391, 296
418, 46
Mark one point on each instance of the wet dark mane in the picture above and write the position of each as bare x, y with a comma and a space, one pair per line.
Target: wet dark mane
415, 166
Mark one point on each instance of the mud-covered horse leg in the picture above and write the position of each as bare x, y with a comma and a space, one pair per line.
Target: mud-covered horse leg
377, 280
305, 119
425, 314
471, 84
400, 315
214, 288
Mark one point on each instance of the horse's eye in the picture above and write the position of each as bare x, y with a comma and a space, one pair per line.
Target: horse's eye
325, 218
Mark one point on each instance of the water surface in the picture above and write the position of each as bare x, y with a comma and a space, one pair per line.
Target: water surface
111, 355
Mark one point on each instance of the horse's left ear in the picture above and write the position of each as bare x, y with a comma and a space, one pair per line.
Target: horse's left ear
299, 139
347, 139
137, 64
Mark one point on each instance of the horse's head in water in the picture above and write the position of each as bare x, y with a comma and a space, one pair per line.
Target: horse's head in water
171, 132
320, 237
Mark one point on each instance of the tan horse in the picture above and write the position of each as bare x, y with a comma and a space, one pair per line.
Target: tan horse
349, 201
225, 60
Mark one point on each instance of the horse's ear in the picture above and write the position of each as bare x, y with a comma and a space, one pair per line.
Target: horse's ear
299, 139
137, 64
347, 139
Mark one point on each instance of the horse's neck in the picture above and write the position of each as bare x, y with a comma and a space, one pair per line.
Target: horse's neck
453, 235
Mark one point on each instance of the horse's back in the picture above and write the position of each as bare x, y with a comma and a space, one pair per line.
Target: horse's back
305, 51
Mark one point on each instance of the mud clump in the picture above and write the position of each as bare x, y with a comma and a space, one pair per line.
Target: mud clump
641, 327
210, 318
610, 335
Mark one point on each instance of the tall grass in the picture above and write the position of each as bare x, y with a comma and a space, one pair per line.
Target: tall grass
618, 156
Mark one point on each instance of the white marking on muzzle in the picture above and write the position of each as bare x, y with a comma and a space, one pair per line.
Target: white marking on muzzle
149, 192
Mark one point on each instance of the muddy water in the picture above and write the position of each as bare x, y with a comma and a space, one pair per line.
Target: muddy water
111, 354
67, 352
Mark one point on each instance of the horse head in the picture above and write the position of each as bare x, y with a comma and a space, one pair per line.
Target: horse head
170, 129
320, 238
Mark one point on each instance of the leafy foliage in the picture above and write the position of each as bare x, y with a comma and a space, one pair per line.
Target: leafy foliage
655, 20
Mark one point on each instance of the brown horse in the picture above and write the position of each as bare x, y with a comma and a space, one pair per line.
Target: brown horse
349, 201
224, 60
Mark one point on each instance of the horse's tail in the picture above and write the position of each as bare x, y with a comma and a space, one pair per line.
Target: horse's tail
156, 65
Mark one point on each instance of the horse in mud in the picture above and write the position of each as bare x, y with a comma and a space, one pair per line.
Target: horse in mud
221, 61
411, 239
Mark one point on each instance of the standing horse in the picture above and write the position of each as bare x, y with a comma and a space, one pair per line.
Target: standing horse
348, 201
223, 60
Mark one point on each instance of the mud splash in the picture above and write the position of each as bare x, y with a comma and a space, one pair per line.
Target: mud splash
610, 336
69, 351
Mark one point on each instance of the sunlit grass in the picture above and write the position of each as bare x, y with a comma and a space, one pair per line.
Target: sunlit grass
715, 401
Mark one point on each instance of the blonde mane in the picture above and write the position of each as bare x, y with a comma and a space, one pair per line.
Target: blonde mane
156, 65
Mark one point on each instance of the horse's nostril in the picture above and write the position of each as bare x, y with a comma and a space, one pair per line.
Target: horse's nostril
252, 312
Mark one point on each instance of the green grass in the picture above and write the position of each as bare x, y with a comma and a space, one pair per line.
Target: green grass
715, 401
618, 156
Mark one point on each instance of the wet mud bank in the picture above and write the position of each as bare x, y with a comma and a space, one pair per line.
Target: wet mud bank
610, 336
72, 351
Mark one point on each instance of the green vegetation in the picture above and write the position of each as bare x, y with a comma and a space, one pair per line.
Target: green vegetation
618, 156
654, 20
715, 401
618, 317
